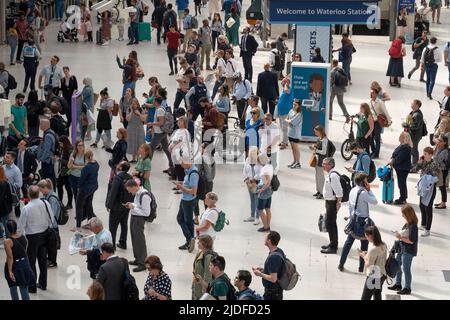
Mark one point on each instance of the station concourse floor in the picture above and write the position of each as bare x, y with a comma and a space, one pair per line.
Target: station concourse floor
295, 211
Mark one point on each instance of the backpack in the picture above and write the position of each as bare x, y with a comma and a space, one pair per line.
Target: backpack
395, 51
289, 275
220, 121
346, 186
56, 145
61, 128
331, 149
201, 186
340, 78
63, 213
428, 57
372, 172
12, 83
194, 22
251, 295
153, 206
278, 66
221, 221
130, 290
231, 295
424, 129
168, 125
171, 19
15, 194
199, 92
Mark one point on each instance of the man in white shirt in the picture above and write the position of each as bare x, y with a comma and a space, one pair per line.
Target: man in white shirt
269, 139
230, 68
140, 209
52, 74
377, 107
241, 92
431, 56
332, 193
36, 217
220, 73
273, 56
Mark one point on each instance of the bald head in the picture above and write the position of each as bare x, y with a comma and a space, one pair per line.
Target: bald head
44, 124
33, 192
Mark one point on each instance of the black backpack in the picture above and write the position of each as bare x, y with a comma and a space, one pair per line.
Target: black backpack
231, 295
278, 66
153, 206
331, 149
372, 172
346, 186
429, 55
340, 78
12, 83
201, 186
125, 195
130, 290
63, 213
61, 128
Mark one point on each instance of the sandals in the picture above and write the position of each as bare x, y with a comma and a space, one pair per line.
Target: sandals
440, 206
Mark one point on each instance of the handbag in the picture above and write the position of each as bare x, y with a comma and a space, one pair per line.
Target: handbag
432, 139
115, 111
382, 120
354, 227
313, 161
275, 183
53, 237
322, 223
230, 22
392, 266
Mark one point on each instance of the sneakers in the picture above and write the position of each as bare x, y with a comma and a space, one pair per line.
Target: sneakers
425, 233
257, 222
52, 265
316, 194
191, 245
94, 145
184, 246
297, 165
319, 196
421, 228
106, 43
290, 165
249, 219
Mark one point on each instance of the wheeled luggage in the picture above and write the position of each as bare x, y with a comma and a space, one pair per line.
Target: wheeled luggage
99, 36
386, 175
145, 31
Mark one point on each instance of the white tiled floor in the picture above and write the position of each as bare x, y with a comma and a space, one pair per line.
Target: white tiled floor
295, 211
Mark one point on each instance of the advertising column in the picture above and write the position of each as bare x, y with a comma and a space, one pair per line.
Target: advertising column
405, 20
311, 85
308, 38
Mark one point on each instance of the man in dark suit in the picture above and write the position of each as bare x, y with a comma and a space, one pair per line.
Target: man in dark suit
27, 164
248, 49
267, 89
111, 274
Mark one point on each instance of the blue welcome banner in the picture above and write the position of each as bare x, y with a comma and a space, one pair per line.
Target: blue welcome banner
324, 12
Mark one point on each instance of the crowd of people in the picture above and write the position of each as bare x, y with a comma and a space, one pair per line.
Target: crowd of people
38, 137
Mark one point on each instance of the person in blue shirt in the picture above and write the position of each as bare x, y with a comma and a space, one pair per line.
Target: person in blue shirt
251, 130
285, 102
362, 164
188, 201
87, 185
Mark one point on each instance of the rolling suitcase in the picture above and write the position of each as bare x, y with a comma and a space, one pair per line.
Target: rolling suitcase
145, 31
388, 188
99, 36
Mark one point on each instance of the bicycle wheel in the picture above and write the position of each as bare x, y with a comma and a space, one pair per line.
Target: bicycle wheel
345, 150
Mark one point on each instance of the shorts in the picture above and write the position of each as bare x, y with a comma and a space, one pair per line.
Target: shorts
180, 13
264, 203
294, 140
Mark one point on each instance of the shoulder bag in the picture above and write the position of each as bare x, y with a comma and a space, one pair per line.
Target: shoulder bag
53, 238
382, 120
